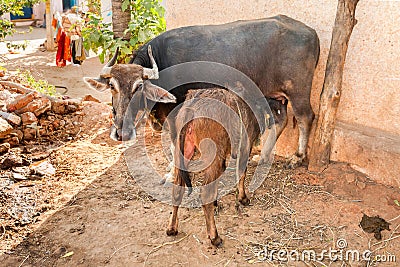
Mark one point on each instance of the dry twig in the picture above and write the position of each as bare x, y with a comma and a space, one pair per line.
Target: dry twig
163, 245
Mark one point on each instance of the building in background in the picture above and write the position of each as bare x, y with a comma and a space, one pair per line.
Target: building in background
367, 133
35, 15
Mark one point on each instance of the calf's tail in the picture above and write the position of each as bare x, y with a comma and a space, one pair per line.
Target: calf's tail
183, 174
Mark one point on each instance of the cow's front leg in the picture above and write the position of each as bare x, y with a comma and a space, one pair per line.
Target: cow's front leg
270, 135
269, 140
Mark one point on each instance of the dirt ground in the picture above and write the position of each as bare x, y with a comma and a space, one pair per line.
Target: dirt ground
98, 215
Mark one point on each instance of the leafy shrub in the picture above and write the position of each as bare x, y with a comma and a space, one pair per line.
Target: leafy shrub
39, 85
14, 7
147, 21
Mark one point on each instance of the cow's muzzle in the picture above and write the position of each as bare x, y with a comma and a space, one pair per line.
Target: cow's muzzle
122, 133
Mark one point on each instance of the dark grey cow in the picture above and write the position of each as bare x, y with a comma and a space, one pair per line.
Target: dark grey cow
279, 54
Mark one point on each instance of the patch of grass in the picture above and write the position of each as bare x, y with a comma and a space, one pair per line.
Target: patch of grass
39, 85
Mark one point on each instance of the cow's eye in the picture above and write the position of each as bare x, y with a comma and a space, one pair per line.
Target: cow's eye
140, 86
111, 86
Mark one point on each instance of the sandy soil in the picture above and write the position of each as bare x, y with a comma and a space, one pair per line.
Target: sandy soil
104, 218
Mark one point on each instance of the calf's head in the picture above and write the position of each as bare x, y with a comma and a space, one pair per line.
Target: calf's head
131, 89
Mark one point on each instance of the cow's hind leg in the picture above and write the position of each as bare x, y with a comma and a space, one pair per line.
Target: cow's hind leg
304, 116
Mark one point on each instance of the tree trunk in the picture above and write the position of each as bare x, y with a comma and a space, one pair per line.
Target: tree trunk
120, 19
49, 27
330, 96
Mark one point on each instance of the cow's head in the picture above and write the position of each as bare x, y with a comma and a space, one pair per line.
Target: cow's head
129, 82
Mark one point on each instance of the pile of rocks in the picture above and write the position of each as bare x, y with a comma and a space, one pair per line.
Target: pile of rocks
27, 115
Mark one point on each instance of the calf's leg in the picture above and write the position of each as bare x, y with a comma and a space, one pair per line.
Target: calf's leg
208, 196
178, 190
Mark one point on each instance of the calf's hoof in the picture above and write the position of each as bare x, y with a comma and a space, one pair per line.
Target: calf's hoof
245, 201
172, 232
217, 242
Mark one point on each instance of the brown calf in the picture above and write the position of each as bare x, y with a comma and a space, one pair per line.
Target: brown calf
225, 119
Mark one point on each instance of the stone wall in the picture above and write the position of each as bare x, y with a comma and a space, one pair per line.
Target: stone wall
367, 134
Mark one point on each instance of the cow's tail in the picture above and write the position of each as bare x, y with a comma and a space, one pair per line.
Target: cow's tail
183, 173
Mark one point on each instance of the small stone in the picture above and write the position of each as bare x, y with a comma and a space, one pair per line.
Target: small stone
44, 107
56, 123
58, 106
28, 118
360, 184
18, 176
44, 168
13, 141
37, 106
350, 177
71, 108
12, 160
18, 133
51, 117
21, 101
44, 122
29, 133
10, 117
90, 98
5, 128
42, 132
4, 148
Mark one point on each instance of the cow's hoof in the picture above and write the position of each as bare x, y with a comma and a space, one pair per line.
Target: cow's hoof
245, 201
217, 242
294, 162
168, 180
172, 232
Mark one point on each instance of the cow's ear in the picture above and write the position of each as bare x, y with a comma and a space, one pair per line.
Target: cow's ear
96, 84
157, 94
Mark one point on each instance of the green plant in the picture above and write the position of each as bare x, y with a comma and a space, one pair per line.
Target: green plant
147, 21
39, 85
6, 28
11, 46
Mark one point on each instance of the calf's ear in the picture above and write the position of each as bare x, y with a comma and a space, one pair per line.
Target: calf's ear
157, 94
96, 83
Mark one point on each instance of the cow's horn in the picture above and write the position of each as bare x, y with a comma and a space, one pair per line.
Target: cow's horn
105, 72
114, 58
151, 73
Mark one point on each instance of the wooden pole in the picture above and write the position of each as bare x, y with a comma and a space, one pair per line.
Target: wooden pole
49, 27
331, 92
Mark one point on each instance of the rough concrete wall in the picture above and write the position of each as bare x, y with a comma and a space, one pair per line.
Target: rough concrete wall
370, 104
